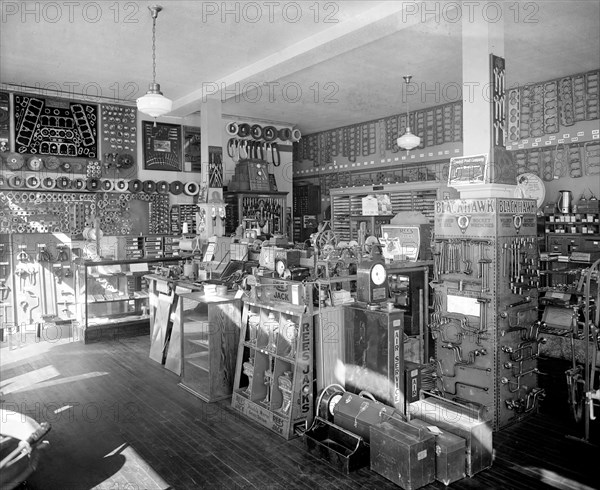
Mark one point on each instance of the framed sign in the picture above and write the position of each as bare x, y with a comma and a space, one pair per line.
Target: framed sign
191, 149
162, 146
467, 170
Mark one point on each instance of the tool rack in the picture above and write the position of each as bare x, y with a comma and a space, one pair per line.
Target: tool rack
485, 281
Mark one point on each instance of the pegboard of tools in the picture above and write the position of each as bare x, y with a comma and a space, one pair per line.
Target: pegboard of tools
7, 293
44, 283
485, 298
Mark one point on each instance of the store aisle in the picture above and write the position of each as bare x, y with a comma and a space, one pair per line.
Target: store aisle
119, 421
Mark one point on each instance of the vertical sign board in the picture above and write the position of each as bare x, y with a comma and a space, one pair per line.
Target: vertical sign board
497, 84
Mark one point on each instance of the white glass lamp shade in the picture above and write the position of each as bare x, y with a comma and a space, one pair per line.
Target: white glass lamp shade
408, 141
154, 103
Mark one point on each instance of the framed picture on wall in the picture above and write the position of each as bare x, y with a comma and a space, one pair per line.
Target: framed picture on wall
191, 149
162, 146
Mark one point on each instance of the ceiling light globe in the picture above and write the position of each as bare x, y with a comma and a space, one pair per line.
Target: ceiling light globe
154, 103
408, 141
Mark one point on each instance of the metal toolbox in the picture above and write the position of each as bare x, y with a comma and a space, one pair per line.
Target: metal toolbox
358, 414
403, 453
450, 455
462, 421
340, 448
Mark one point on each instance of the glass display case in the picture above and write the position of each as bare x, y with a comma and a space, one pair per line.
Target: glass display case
210, 331
113, 297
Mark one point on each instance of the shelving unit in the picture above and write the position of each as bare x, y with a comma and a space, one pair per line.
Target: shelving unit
573, 223
210, 332
346, 205
274, 371
114, 298
251, 208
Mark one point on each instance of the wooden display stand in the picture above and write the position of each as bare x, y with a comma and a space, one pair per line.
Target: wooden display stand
274, 373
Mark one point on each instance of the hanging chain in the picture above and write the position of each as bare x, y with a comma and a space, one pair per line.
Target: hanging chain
154, 48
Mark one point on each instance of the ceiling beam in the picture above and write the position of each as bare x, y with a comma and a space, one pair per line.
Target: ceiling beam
370, 26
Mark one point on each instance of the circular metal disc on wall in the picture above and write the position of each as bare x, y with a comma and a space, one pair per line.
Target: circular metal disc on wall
48, 183
15, 181
176, 188
92, 184
269, 134
35, 163
162, 187
135, 185
191, 188
32, 182
13, 161
149, 186
52, 163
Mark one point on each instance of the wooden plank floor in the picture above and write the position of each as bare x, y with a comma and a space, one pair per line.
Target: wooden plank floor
119, 421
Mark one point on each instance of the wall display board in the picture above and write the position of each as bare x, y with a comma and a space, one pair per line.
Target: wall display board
119, 135
55, 127
191, 149
162, 146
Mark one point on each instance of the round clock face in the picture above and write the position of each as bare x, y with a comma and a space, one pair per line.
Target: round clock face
280, 267
378, 274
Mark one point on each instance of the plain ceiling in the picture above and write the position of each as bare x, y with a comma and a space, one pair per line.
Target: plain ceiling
316, 65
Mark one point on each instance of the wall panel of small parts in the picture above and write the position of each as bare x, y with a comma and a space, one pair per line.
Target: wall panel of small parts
46, 212
70, 213
573, 160
543, 108
435, 126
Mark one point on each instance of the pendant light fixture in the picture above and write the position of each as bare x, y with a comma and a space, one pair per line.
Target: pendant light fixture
408, 141
154, 103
